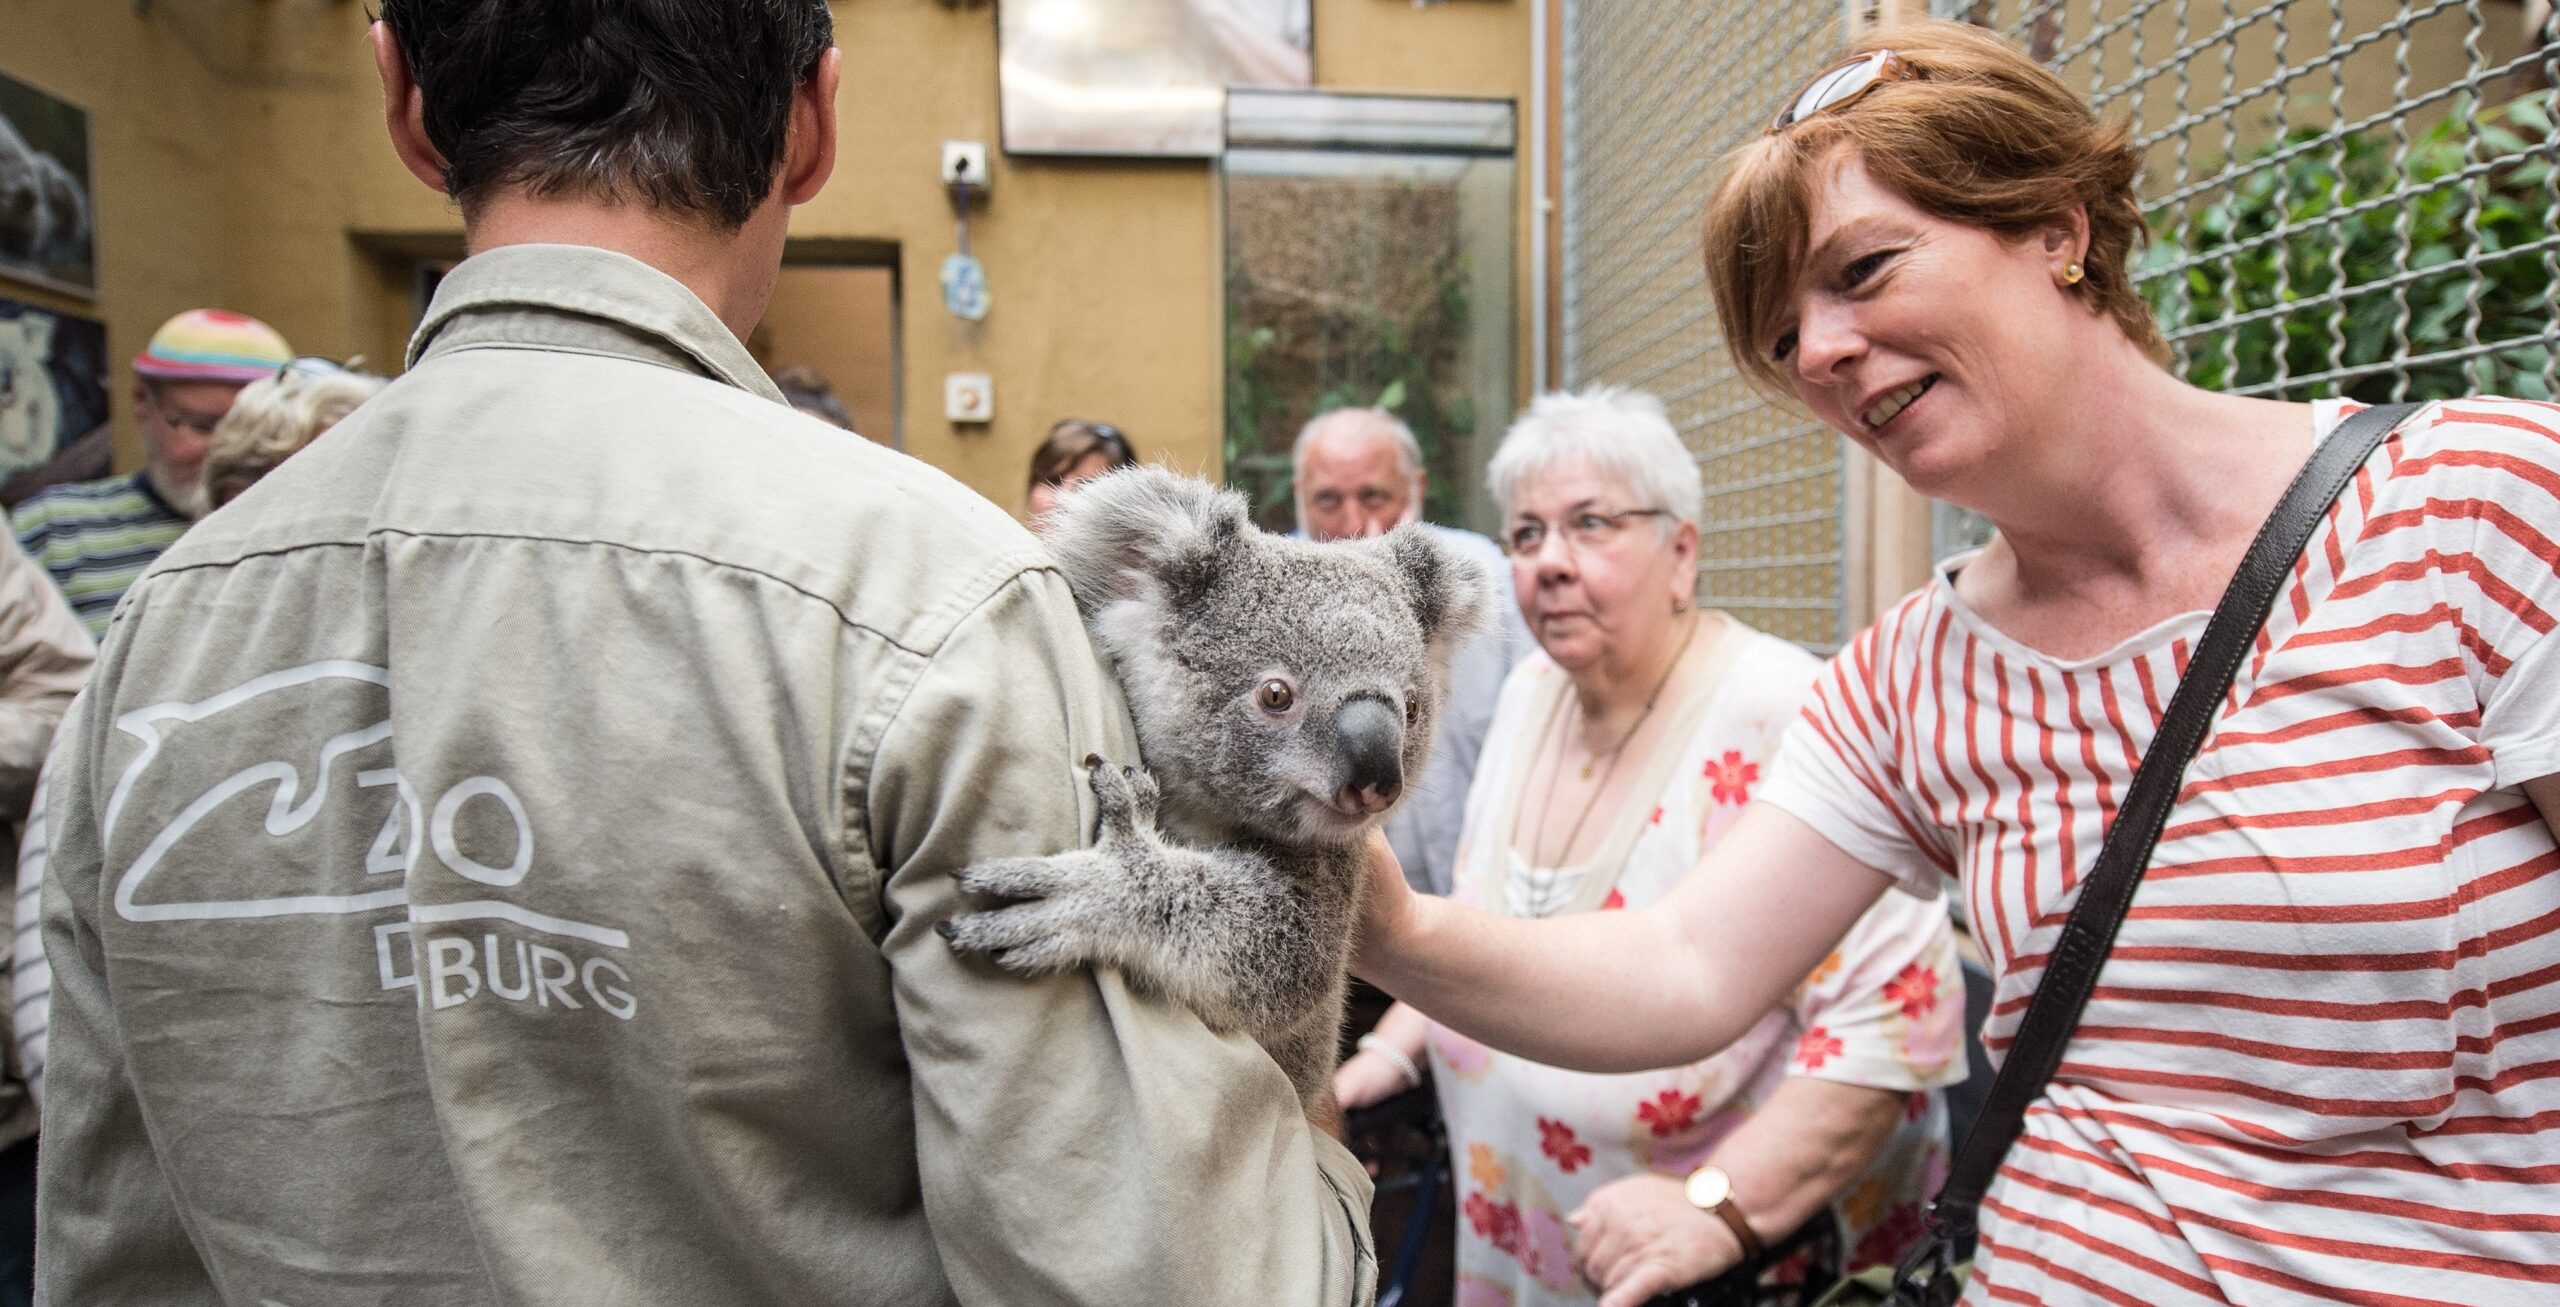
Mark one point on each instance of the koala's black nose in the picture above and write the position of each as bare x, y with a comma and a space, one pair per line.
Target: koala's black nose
1368, 755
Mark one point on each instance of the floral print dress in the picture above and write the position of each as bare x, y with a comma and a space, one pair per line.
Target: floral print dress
1531, 1142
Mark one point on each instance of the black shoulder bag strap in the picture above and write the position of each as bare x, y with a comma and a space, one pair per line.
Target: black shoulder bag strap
1927, 1276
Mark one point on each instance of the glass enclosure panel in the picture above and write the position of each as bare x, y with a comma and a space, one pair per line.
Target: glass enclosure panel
1369, 248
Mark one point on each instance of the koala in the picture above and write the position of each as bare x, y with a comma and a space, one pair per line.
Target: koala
1284, 694
43, 215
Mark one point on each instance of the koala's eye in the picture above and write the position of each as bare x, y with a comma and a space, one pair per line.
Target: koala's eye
1275, 696
1412, 710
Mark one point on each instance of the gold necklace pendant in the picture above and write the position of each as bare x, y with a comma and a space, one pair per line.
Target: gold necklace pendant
1547, 733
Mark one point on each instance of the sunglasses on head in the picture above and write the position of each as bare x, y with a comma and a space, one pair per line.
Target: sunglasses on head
310, 365
1841, 85
1107, 440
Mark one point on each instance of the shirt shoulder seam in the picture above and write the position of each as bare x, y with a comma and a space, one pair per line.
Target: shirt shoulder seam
985, 584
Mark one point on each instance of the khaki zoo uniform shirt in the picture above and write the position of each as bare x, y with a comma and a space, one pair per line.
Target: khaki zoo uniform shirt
497, 863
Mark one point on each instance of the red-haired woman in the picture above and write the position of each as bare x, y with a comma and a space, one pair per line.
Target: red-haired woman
2321, 1062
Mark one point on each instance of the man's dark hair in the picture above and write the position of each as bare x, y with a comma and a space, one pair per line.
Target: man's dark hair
681, 104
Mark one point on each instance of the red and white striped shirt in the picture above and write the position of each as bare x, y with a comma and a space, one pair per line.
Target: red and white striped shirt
2323, 1061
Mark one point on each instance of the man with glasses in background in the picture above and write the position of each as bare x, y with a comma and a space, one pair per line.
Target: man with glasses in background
96, 537
1358, 472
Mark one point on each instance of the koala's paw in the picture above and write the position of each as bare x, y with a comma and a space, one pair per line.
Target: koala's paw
1128, 797
1018, 878
1062, 904
1029, 938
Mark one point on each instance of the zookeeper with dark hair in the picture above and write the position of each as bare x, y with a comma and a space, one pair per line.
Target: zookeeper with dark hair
497, 859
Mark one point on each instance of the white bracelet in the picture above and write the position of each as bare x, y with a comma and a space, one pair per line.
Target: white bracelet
1373, 1042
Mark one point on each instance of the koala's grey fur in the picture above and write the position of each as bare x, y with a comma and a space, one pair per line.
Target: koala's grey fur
1248, 919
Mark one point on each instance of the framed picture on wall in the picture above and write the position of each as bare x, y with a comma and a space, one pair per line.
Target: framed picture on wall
48, 221
53, 397
1140, 77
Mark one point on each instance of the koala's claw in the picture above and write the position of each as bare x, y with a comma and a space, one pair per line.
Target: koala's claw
1128, 796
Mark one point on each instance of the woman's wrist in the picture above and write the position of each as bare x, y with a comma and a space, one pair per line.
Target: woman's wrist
1713, 1247
1393, 933
1385, 1050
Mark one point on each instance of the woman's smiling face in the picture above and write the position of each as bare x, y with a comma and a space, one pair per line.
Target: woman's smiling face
1933, 344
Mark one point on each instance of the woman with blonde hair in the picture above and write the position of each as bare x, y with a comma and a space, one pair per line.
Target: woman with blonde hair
1619, 752
2319, 1060
275, 418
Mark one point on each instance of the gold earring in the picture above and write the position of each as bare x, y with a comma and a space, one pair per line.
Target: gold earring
2072, 273
1679, 606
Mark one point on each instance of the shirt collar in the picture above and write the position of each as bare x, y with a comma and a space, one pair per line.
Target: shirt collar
588, 299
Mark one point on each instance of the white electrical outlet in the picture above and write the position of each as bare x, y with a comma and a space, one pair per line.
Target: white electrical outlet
969, 397
965, 162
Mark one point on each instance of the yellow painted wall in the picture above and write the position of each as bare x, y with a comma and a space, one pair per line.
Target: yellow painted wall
841, 321
156, 175
242, 162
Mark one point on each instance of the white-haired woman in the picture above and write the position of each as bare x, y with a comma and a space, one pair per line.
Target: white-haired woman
1615, 757
275, 418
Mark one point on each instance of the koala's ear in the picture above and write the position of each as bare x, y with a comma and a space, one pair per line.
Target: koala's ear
1452, 594
1144, 528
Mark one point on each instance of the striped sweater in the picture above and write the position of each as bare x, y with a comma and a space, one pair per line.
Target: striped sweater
96, 538
2323, 1062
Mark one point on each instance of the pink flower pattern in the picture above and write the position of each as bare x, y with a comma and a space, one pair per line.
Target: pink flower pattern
1668, 1112
1817, 1047
1730, 778
1915, 987
1556, 1140
1495, 1223
1546, 1251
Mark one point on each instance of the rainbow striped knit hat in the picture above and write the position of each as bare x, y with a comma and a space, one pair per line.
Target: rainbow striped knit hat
213, 345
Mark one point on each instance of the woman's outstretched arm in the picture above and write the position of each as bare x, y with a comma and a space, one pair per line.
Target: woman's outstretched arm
1625, 991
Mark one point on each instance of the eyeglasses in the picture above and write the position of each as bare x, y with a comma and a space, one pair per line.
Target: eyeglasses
1587, 528
198, 423
1841, 86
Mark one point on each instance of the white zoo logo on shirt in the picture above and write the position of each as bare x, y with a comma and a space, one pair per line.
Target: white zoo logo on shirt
456, 969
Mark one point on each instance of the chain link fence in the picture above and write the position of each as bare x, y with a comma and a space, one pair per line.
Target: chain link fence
2345, 197
1655, 93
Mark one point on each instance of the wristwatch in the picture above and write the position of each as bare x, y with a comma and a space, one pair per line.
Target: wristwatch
1711, 1190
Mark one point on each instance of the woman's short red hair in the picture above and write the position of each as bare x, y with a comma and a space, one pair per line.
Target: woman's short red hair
1983, 135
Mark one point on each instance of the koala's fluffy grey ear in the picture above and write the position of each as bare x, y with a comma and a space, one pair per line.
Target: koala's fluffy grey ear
1452, 593
1119, 535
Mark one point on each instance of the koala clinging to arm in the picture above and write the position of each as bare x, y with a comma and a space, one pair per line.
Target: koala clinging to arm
1284, 692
